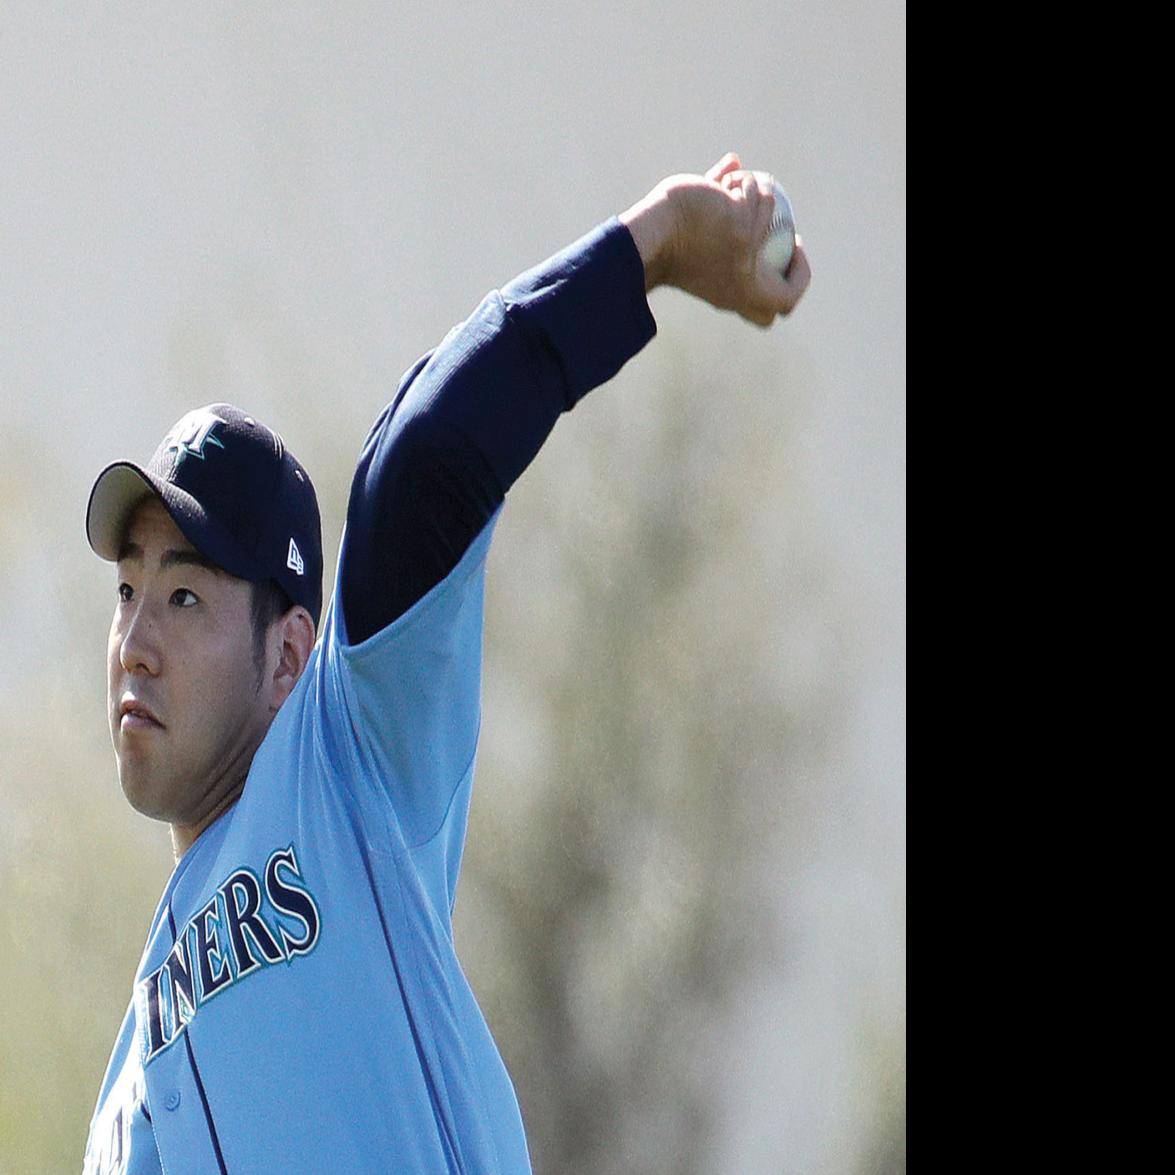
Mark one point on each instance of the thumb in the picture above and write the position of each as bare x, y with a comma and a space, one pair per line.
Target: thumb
728, 163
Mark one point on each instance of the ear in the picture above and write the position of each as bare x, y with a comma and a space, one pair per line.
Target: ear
290, 643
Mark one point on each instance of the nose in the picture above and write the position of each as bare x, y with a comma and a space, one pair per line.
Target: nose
139, 649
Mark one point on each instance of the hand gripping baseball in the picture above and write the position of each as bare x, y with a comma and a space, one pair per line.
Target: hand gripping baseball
704, 234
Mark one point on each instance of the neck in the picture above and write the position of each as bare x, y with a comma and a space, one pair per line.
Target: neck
183, 836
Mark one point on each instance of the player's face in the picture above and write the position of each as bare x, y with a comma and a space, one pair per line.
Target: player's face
186, 713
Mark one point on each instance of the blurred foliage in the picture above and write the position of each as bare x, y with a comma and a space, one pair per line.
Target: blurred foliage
610, 899
80, 878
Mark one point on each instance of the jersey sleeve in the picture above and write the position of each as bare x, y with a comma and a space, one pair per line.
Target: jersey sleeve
403, 643
403, 707
471, 415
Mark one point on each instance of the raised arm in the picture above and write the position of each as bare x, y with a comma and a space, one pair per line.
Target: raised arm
470, 416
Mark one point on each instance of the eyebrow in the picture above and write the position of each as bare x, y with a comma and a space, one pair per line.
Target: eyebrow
172, 557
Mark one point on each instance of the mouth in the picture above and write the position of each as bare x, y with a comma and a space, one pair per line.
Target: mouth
136, 715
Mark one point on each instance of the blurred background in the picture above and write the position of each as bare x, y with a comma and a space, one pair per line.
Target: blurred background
683, 905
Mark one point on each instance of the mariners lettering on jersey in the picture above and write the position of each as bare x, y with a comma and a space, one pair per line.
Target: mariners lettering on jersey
246, 925
192, 434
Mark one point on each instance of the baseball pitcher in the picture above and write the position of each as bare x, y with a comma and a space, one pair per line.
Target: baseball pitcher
299, 1006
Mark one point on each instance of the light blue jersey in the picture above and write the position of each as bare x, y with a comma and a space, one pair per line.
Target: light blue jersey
304, 944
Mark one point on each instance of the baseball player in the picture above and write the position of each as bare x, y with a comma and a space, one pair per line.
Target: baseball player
299, 1006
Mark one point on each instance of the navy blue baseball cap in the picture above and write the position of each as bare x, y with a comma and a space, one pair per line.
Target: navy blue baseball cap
239, 496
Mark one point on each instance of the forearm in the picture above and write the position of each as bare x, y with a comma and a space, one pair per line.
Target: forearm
469, 419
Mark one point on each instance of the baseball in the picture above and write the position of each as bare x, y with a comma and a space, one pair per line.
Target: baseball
781, 236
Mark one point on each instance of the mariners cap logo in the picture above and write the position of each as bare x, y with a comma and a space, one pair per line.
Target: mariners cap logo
294, 559
190, 436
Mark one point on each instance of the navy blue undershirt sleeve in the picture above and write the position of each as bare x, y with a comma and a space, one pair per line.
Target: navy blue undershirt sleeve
470, 416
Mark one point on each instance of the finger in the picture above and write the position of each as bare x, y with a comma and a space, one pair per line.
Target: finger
799, 272
763, 318
765, 210
795, 283
757, 220
766, 182
781, 293
748, 185
728, 163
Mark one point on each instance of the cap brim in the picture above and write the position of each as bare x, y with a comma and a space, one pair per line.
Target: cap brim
119, 489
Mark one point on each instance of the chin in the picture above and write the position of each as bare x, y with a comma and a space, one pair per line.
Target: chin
142, 793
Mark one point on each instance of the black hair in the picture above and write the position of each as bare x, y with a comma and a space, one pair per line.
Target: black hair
269, 602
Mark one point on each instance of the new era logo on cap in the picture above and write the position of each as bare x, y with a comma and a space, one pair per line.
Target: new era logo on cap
294, 559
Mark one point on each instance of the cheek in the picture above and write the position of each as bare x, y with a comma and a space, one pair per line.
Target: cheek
112, 643
113, 661
225, 685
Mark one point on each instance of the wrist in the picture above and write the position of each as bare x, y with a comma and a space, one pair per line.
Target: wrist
652, 224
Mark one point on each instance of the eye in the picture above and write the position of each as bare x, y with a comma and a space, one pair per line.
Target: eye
125, 592
184, 598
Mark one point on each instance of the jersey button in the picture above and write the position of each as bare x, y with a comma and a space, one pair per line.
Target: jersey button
172, 1101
